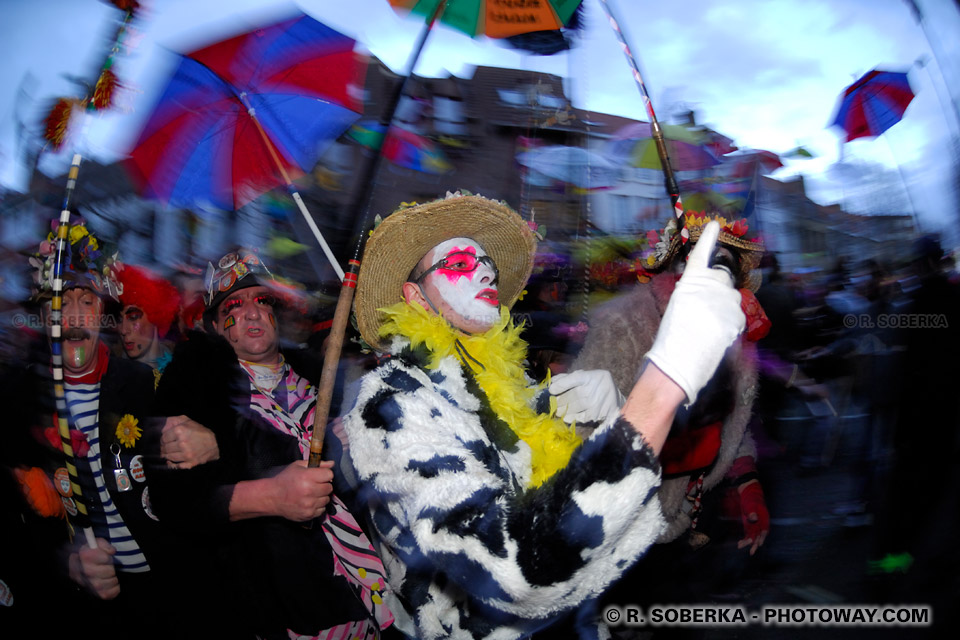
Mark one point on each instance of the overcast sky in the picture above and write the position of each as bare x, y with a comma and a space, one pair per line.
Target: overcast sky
767, 73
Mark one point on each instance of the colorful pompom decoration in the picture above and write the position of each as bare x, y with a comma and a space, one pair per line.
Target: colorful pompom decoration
103, 93
57, 122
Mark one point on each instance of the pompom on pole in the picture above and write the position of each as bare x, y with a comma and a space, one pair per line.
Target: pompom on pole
57, 122
104, 91
129, 6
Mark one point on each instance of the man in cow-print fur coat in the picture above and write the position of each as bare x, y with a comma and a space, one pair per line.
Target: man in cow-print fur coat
494, 519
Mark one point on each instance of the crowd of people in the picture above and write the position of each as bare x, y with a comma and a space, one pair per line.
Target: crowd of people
485, 474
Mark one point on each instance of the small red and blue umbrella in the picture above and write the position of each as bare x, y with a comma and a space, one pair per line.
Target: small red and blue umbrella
402, 147
247, 114
407, 149
873, 104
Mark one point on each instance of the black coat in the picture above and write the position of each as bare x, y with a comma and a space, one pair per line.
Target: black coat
275, 573
40, 568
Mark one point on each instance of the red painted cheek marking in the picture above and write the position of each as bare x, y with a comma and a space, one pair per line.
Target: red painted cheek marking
454, 276
229, 322
273, 320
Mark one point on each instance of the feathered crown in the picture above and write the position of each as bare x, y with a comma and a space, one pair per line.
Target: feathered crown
664, 245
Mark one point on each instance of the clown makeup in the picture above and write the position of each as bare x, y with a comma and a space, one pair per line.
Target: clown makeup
139, 336
246, 319
459, 279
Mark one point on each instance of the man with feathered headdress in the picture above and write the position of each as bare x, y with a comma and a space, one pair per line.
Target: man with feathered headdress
710, 446
109, 402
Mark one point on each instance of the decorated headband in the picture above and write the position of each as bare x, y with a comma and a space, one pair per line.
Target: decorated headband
230, 270
665, 244
85, 263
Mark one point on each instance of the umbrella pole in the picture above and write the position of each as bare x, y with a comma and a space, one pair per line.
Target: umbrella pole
82, 519
669, 180
360, 211
56, 349
292, 189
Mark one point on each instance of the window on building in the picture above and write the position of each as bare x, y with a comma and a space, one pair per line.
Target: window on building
449, 117
513, 97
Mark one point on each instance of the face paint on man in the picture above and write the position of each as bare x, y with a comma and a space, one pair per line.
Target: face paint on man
139, 336
244, 319
460, 279
81, 309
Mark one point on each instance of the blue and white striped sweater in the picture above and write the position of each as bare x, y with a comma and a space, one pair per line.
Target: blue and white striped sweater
83, 402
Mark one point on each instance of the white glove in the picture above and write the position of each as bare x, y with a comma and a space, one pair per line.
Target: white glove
586, 396
702, 319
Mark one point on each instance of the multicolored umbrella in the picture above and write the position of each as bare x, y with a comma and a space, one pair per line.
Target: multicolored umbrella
402, 147
495, 19
873, 104
687, 148
407, 149
248, 114
745, 162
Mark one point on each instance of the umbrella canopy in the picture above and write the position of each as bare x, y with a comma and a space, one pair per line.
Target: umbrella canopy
873, 104
744, 162
402, 147
495, 19
207, 139
573, 165
688, 148
713, 201
407, 149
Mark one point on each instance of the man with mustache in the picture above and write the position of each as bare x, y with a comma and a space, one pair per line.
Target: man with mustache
109, 403
495, 519
262, 571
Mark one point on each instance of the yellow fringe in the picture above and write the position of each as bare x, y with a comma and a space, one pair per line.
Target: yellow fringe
502, 352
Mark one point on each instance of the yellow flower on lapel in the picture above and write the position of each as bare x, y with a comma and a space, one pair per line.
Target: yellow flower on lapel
127, 431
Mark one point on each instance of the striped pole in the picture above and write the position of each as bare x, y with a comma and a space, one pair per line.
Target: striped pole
82, 519
670, 181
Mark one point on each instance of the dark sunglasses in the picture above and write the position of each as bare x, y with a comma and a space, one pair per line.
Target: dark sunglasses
461, 262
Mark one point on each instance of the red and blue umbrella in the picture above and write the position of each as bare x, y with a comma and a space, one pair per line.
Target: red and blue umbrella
241, 116
873, 104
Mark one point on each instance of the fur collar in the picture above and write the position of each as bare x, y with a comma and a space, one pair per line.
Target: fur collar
494, 360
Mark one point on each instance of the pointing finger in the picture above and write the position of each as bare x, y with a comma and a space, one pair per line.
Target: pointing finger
703, 250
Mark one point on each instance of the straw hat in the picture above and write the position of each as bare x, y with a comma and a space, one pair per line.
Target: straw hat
405, 236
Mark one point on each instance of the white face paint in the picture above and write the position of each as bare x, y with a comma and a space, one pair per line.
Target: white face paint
464, 287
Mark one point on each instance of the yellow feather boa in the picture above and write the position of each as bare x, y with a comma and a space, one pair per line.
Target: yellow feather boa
502, 352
